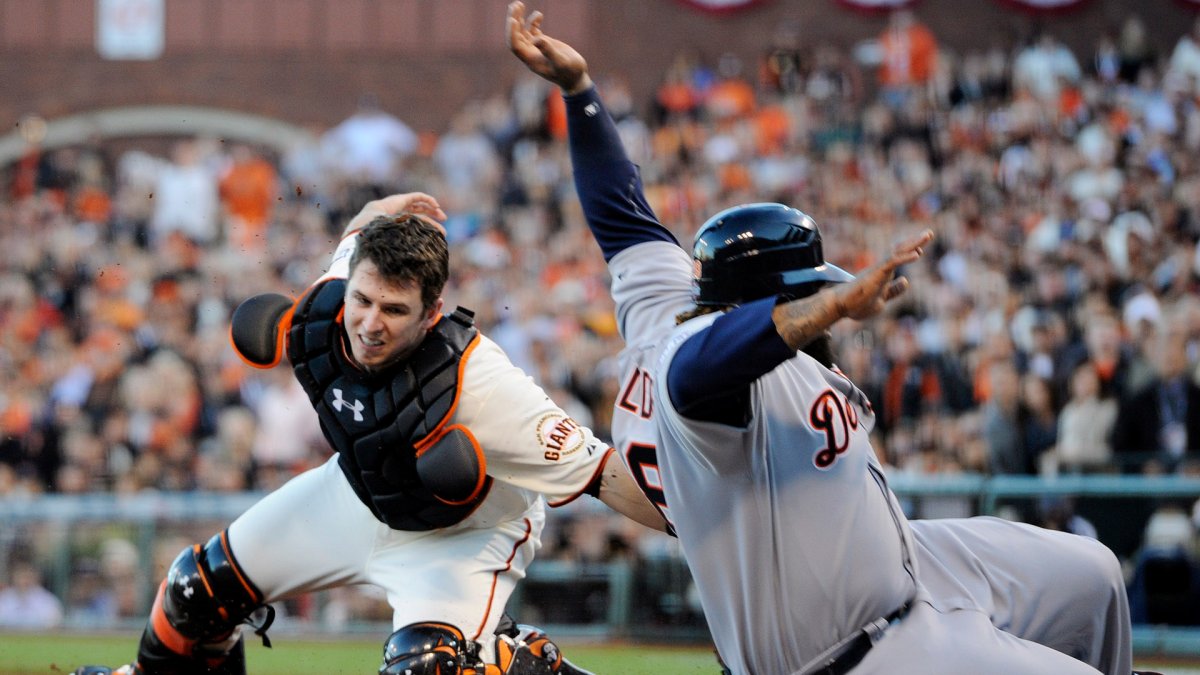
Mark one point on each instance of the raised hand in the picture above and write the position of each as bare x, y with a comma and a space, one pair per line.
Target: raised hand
408, 202
876, 286
551, 59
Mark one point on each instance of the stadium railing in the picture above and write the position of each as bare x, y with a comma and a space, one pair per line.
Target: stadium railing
640, 598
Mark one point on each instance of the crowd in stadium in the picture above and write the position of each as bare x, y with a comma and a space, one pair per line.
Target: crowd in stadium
1054, 328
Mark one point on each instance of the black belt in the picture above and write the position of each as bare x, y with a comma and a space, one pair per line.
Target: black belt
857, 648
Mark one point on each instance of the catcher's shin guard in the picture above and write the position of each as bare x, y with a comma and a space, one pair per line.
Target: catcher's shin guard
193, 626
429, 648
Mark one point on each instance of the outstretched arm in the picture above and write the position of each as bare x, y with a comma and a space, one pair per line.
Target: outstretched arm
621, 493
608, 184
801, 321
750, 341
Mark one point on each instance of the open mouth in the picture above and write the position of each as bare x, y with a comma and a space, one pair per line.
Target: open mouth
369, 343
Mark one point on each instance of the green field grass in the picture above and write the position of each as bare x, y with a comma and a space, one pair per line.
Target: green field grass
29, 654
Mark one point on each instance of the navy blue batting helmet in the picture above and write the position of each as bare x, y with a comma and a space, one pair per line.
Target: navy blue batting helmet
754, 251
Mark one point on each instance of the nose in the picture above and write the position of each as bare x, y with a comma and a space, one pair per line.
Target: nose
372, 321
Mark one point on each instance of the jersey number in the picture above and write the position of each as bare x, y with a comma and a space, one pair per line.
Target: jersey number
636, 396
642, 461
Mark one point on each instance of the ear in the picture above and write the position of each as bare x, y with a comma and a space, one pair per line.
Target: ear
432, 314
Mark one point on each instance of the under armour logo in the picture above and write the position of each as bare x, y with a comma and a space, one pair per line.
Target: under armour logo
591, 109
188, 591
339, 403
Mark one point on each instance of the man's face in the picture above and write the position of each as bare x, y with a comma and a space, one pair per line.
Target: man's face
384, 321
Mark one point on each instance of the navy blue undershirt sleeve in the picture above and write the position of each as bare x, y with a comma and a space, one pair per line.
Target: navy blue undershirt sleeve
710, 376
608, 184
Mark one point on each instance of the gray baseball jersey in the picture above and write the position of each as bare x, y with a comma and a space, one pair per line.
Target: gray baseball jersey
796, 543
1056, 589
783, 516
1053, 588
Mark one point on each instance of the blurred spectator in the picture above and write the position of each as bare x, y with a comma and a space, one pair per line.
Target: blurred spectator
1003, 425
1159, 427
910, 55
783, 69
287, 438
1106, 60
1102, 346
186, 197
1085, 426
1183, 69
1135, 49
1039, 418
1165, 587
1043, 67
1058, 513
370, 146
25, 604
678, 95
731, 95
248, 188
466, 157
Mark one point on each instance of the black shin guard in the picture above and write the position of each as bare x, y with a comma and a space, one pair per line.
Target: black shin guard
199, 606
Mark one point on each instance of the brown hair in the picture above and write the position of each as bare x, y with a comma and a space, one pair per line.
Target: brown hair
406, 248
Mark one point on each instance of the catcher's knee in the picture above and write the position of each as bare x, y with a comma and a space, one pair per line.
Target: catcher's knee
199, 606
428, 648
206, 594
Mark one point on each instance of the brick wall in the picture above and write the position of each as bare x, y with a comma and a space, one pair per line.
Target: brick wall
309, 60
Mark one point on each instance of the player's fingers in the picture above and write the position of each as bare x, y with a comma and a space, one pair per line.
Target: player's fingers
535, 23
916, 243
518, 40
418, 202
441, 228
515, 21
895, 289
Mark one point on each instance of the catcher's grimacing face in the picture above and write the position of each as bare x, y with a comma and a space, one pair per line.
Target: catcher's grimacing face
384, 320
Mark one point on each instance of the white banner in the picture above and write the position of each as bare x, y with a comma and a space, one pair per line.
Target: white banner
721, 6
874, 5
130, 29
1043, 5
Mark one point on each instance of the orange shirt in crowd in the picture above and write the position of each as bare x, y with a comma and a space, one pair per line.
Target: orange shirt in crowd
772, 130
556, 116
248, 191
909, 56
731, 97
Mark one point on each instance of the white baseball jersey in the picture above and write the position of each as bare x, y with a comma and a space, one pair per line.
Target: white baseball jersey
315, 533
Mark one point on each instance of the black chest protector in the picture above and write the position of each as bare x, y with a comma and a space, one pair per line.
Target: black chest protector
412, 470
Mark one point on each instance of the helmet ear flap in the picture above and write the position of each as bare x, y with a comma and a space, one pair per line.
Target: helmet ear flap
754, 251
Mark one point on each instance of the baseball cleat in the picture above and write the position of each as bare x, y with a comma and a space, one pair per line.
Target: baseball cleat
128, 669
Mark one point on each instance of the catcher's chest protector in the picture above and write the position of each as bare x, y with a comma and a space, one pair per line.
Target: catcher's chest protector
412, 471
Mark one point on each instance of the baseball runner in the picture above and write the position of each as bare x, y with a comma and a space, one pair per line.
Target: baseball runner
1059, 590
446, 457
